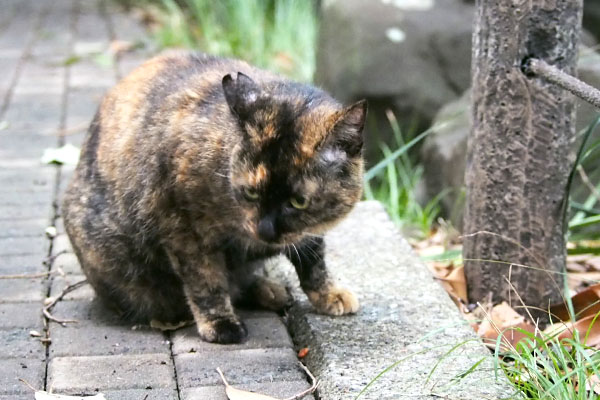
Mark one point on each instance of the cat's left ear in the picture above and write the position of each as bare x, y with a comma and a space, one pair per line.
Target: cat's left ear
349, 128
241, 93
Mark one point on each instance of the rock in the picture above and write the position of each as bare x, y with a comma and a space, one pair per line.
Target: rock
444, 151
409, 55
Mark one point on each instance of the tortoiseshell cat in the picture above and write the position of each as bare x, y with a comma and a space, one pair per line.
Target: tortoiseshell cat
195, 169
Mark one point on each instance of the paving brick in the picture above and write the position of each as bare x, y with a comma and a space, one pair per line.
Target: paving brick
20, 315
262, 333
36, 112
280, 390
19, 290
96, 340
88, 312
142, 394
26, 197
242, 366
17, 343
12, 369
24, 227
27, 145
23, 245
11, 213
68, 263
22, 264
60, 282
19, 179
102, 373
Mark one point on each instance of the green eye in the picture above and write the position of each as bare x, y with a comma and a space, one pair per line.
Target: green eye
299, 202
250, 194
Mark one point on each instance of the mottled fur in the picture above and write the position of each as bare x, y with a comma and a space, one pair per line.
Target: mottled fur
187, 181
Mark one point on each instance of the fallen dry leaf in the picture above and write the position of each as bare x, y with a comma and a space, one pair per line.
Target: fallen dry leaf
167, 326
504, 319
588, 328
585, 303
238, 394
456, 283
593, 383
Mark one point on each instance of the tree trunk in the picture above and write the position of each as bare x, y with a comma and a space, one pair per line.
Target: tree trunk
520, 152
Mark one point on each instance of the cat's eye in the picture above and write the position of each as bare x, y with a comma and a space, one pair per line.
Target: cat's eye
299, 202
250, 194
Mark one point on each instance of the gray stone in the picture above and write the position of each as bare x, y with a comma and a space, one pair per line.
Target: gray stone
404, 314
67, 263
10, 213
18, 343
280, 390
242, 367
27, 180
61, 244
35, 112
13, 369
19, 290
412, 57
262, 333
96, 340
21, 315
71, 375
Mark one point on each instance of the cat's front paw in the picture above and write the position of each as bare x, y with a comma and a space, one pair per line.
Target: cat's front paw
223, 330
334, 301
270, 294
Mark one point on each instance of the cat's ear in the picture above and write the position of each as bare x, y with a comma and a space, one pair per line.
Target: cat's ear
349, 128
241, 93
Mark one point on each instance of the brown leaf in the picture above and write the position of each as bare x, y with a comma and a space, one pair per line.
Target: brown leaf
456, 283
593, 383
504, 319
588, 328
585, 303
238, 394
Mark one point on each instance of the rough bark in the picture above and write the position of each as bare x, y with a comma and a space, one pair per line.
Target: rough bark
520, 151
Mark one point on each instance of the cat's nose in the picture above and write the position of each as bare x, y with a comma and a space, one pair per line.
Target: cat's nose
266, 230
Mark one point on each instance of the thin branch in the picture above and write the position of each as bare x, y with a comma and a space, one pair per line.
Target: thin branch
534, 66
27, 276
313, 385
58, 298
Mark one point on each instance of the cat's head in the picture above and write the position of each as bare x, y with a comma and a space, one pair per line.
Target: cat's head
298, 168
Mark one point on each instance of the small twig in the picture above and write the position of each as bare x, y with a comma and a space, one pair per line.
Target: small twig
27, 384
314, 385
27, 276
50, 259
534, 66
56, 299
71, 131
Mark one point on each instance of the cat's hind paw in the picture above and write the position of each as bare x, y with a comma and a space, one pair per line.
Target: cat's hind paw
269, 294
334, 301
223, 330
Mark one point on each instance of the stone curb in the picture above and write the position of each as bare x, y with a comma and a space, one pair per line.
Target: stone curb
405, 318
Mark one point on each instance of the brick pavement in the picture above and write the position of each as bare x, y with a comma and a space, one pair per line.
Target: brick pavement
40, 95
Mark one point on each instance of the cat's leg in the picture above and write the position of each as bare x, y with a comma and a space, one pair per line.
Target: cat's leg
267, 293
206, 288
253, 288
308, 258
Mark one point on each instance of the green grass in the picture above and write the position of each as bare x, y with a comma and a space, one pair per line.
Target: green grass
393, 181
546, 368
278, 35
